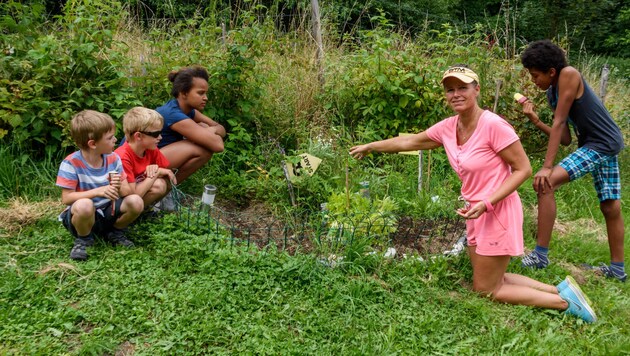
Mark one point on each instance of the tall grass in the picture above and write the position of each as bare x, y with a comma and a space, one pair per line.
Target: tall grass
21, 176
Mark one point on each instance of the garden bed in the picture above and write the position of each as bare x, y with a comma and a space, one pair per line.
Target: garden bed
256, 226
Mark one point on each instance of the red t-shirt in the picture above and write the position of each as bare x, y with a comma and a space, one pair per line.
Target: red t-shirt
134, 166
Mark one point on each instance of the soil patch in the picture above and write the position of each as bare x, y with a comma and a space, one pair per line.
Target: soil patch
256, 225
427, 236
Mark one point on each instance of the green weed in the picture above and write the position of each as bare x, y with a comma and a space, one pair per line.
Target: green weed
177, 292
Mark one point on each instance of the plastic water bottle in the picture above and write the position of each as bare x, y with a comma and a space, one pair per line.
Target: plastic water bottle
365, 189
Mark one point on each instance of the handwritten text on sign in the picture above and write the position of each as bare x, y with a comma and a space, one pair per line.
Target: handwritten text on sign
308, 164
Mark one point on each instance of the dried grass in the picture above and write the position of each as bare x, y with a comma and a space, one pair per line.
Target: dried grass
583, 226
58, 267
21, 212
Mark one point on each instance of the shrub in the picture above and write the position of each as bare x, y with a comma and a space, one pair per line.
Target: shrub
47, 78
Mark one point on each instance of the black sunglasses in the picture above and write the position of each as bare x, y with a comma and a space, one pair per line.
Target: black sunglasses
154, 134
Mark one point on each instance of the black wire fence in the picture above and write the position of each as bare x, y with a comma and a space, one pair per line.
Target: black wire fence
322, 232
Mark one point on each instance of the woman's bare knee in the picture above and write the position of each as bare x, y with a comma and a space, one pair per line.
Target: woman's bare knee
483, 288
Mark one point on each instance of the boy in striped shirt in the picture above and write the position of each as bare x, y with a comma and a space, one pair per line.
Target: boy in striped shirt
94, 186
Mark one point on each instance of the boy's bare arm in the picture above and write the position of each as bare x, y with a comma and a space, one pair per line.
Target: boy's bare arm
125, 189
568, 84
69, 196
528, 110
143, 187
168, 174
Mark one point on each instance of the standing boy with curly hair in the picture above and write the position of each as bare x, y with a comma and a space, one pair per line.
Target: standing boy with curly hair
599, 142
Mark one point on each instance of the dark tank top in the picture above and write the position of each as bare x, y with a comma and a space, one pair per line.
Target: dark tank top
592, 123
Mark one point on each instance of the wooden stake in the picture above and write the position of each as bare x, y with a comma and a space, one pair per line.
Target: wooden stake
419, 171
496, 95
317, 34
223, 32
429, 168
603, 82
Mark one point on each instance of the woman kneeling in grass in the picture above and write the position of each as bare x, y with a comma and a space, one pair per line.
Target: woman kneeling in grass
489, 159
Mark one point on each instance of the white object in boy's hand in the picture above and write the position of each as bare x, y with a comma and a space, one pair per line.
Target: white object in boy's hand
520, 98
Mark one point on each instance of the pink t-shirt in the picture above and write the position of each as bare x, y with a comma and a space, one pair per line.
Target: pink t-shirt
476, 162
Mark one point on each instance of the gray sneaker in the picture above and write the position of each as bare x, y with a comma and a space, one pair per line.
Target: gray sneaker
607, 271
117, 238
168, 202
534, 260
79, 250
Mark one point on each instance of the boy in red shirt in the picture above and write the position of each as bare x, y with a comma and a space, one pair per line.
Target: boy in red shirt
145, 166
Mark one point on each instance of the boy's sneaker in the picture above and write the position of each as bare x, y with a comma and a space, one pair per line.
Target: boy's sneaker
534, 260
152, 212
168, 202
607, 271
578, 303
79, 250
117, 238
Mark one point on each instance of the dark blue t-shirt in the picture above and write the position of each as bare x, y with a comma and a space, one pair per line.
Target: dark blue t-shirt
172, 114
592, 123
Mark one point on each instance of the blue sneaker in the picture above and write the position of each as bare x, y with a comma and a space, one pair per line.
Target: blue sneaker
534, 260
578, 303
562, 285
570, 281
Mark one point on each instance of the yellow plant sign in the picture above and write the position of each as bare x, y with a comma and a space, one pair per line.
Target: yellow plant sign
307, 165
413, 153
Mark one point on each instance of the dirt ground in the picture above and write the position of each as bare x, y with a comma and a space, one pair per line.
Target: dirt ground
256, 225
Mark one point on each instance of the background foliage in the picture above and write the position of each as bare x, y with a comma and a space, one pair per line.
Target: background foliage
588, 24
48, 76
381, 77
175, 293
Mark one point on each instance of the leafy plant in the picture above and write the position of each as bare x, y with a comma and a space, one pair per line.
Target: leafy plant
50, 75
386, 89
357, 216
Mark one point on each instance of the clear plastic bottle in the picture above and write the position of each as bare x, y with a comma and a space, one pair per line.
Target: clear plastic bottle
365, 189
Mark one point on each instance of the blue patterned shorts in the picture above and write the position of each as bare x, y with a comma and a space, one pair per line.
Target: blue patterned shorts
603, 168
